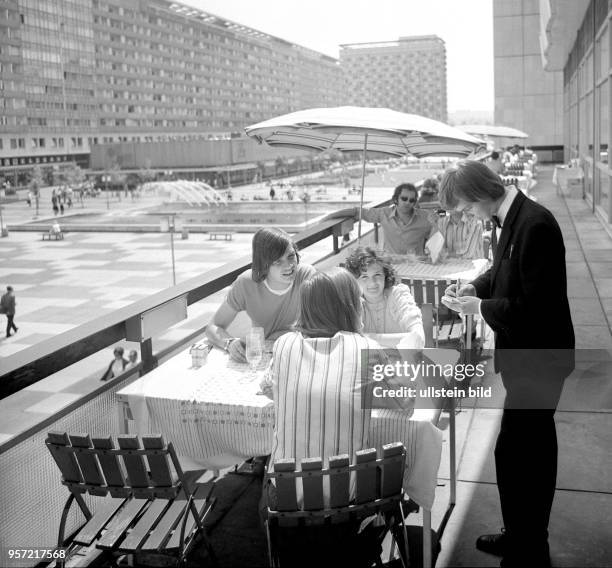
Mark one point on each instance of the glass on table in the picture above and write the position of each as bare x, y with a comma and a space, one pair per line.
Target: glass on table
255, 342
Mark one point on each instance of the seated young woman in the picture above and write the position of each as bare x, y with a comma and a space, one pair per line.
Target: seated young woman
269, 292
390, 314
315, 376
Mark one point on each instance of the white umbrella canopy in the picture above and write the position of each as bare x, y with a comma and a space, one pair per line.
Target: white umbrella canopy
343, 128
350, 128
490, 130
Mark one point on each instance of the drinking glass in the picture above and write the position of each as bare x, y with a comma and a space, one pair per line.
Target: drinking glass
254, 348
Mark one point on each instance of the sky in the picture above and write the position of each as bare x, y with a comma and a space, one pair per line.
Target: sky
465, 25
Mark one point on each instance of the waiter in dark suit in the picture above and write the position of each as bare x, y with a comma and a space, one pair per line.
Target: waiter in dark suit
523, 298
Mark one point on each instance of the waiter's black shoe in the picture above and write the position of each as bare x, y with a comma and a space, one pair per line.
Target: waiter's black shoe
492, 543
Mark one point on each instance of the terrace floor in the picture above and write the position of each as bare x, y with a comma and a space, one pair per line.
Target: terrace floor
50, 297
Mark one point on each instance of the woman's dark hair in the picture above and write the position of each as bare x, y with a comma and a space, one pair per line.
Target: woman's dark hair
362, 257
269, 244
471, 181
400, 188
494, 155
329, 303
118, 351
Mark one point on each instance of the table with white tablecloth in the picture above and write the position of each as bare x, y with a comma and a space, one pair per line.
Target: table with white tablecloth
216, 416
450, 269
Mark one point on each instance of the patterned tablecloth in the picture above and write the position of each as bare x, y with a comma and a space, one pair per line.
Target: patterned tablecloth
451, 269
215, 416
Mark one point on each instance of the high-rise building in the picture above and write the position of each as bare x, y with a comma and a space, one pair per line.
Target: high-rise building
553, 79
576, 42
526, 96
74, 73
408, 75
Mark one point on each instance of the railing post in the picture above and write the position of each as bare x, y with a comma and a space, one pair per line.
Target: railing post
149, 362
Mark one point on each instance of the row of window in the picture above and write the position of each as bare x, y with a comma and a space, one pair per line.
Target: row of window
42, 142
32, 160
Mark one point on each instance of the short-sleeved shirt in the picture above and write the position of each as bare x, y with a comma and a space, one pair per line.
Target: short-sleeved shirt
275, 313
463, 238
400, 237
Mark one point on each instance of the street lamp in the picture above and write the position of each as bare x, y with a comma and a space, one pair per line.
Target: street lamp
169, 226
3, 231
105, 178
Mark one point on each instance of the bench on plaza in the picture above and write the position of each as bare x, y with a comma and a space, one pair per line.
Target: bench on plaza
53, 236
216, 235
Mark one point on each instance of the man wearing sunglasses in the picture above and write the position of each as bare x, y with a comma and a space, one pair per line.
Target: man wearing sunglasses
405, 228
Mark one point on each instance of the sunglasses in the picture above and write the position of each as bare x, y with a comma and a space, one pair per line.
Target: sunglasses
408, 199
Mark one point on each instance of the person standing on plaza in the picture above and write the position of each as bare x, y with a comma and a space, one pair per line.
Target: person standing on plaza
7, 307
524, 290
405, 228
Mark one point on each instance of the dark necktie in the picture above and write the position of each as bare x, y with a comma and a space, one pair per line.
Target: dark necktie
496, 225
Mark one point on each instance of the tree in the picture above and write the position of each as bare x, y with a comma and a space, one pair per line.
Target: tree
147, 174
74, 175
36, 180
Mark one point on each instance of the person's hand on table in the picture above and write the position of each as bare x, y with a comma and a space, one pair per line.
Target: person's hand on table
237, 350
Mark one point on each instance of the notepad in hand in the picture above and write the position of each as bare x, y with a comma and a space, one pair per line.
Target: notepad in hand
452, 303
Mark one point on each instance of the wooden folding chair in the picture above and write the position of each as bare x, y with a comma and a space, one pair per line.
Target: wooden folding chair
146, 506
431, 292
377, 489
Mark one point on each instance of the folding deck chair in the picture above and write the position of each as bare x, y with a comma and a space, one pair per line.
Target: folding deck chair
144, 504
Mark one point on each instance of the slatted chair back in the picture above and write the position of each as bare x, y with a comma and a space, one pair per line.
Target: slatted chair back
427, 291
150, 507
427, 316
98, 467
377, 485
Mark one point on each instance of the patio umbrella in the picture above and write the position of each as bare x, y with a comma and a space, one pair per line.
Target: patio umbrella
494, 131
361, 129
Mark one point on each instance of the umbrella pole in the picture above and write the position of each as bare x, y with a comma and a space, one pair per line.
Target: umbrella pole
363, 170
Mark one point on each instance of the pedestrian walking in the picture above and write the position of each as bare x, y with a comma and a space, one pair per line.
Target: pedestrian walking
61, 205
29, 199
116, 366
54, 203
7, 307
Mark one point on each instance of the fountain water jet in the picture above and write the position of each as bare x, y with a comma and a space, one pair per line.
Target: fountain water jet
194, 193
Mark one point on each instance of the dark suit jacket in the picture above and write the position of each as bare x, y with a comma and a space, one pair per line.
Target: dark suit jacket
524, 295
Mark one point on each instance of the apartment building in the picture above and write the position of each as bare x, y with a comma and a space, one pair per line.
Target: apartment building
76, 73
408, 75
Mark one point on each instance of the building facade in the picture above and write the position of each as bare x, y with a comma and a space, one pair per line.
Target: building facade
526, 96
81, 72
407, 75
576, 41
